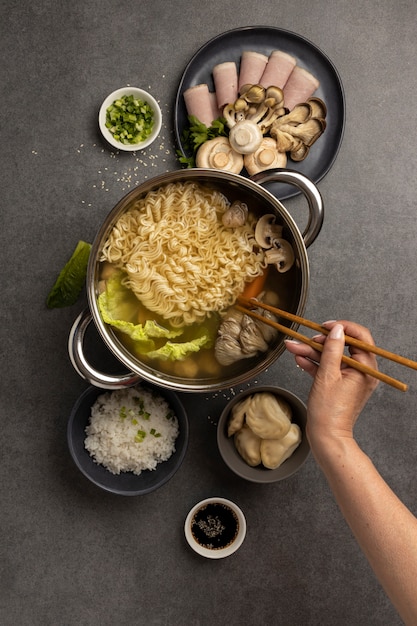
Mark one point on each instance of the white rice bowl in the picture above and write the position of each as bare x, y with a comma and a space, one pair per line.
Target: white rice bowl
131, 430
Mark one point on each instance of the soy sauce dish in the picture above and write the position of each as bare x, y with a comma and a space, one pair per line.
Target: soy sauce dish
215, 528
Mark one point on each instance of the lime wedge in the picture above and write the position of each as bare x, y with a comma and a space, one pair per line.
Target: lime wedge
68, 285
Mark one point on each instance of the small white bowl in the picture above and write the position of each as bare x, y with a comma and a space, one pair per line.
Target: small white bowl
212, 513
142, 95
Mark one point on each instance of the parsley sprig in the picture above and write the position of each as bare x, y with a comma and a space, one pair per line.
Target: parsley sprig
196, 134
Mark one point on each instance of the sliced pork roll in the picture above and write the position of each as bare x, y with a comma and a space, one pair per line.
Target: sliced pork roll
278, 69
252, 66
225, 83
299, 87
201, 103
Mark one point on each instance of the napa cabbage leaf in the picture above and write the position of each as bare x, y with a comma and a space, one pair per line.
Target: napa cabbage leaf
118, 307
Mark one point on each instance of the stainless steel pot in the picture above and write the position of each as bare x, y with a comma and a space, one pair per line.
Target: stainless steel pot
233, 186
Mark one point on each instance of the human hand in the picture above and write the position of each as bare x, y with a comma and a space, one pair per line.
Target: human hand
339, 392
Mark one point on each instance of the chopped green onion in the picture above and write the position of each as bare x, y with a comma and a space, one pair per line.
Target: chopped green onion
122, 412
139, 402
140, 436
130, 120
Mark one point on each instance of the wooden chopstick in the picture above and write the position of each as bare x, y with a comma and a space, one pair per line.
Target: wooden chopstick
365, 369
350, 341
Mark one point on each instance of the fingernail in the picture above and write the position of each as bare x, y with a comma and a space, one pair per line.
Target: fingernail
291, 341
329, 322
318, 337
337, 332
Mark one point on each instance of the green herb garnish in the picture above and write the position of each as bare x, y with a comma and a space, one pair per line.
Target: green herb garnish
68, 285
122, 412
139, 401
140, 436
130, 120
198, 133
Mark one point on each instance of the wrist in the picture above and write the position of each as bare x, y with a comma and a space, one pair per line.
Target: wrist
330, 448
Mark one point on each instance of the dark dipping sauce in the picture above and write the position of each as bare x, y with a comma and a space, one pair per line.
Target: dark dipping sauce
215, 526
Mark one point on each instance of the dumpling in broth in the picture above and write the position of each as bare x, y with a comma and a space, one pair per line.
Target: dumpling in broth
248, 445
268, 415
275, 451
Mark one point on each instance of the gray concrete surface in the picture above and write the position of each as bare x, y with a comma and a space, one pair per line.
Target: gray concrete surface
73, 555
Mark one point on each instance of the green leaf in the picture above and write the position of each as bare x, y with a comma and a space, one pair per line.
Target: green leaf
151, 338
118, 304
68, 285
196, 134
178, 351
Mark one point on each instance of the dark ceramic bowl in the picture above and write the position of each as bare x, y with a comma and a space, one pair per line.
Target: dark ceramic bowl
125, 483
261, 474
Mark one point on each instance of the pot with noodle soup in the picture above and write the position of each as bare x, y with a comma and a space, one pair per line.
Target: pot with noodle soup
165, 270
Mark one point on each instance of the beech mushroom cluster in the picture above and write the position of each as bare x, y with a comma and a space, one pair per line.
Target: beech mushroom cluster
262, 131
251, 115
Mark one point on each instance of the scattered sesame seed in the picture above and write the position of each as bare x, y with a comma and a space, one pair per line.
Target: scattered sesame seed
134, 174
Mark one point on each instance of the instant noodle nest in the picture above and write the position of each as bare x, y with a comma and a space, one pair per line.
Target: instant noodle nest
180, 260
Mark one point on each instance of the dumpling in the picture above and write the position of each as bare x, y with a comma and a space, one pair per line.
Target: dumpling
275, 451
248, 445
237, 416
268, 415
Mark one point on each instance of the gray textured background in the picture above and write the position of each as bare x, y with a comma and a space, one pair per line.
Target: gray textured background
71, 554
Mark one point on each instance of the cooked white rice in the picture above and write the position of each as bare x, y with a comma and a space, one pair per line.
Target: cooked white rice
131, 430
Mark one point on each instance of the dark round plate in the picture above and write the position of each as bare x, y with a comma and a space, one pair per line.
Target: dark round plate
229, 47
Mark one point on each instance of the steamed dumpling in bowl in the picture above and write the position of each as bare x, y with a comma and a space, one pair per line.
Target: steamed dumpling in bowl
237, 418
268, 416
275, 451
248, 446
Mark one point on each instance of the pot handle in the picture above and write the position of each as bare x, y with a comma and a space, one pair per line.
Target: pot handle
81, 365
309, 189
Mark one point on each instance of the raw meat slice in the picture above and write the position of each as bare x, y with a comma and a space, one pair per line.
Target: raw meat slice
278, 69
225, 83
201, 103
252, 66
299, 87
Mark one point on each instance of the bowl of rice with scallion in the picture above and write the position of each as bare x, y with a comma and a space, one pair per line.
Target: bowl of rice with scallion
128, 441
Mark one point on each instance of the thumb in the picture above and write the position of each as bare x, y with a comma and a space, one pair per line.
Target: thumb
333, 349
